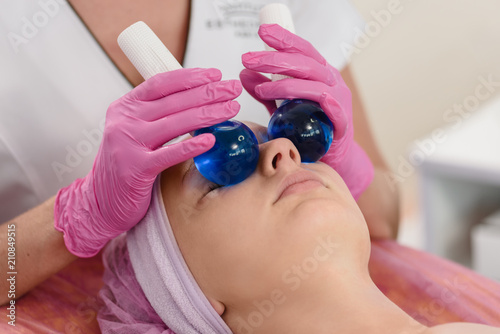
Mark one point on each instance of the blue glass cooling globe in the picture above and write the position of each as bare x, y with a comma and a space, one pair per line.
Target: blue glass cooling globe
234, 156
306, 125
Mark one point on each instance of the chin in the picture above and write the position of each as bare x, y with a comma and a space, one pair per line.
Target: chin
316, 211
331, 215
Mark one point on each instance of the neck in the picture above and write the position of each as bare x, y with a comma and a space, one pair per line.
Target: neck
347, 304
107, 19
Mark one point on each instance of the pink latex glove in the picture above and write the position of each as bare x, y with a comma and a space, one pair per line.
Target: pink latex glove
313, 79
115, 195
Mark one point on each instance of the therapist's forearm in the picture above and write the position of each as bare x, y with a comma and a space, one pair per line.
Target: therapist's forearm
39, 250
380, 201
380, 206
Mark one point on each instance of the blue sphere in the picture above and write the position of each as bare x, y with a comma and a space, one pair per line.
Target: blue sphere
234, 156
306, 125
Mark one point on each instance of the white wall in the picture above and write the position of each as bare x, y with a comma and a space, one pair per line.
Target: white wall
426, 60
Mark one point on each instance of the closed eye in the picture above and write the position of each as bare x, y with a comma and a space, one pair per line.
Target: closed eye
205, 185
213, 186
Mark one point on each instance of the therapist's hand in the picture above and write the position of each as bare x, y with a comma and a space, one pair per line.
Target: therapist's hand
313, 79
115, 195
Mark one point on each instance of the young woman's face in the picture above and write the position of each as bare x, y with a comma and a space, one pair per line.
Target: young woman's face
242, 241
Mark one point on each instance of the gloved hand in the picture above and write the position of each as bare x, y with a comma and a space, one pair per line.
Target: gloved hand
115, 195
313, 79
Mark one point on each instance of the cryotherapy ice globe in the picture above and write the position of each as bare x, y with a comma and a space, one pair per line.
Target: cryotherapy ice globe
306, 125
234, 156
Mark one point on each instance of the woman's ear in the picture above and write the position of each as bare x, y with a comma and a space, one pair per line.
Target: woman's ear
217, 305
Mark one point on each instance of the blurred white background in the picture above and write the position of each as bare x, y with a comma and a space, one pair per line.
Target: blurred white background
426, 59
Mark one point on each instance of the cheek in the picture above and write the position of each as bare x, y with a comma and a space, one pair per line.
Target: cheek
221, 233
239, 239
231, 255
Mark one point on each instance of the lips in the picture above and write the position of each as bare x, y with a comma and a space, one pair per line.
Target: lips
298, 182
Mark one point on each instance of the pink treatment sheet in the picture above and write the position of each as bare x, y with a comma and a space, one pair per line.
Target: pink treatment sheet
431, 289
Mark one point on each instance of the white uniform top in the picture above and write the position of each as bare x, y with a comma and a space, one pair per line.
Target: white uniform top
56, 82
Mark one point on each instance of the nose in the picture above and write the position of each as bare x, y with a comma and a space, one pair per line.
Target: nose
277, 154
